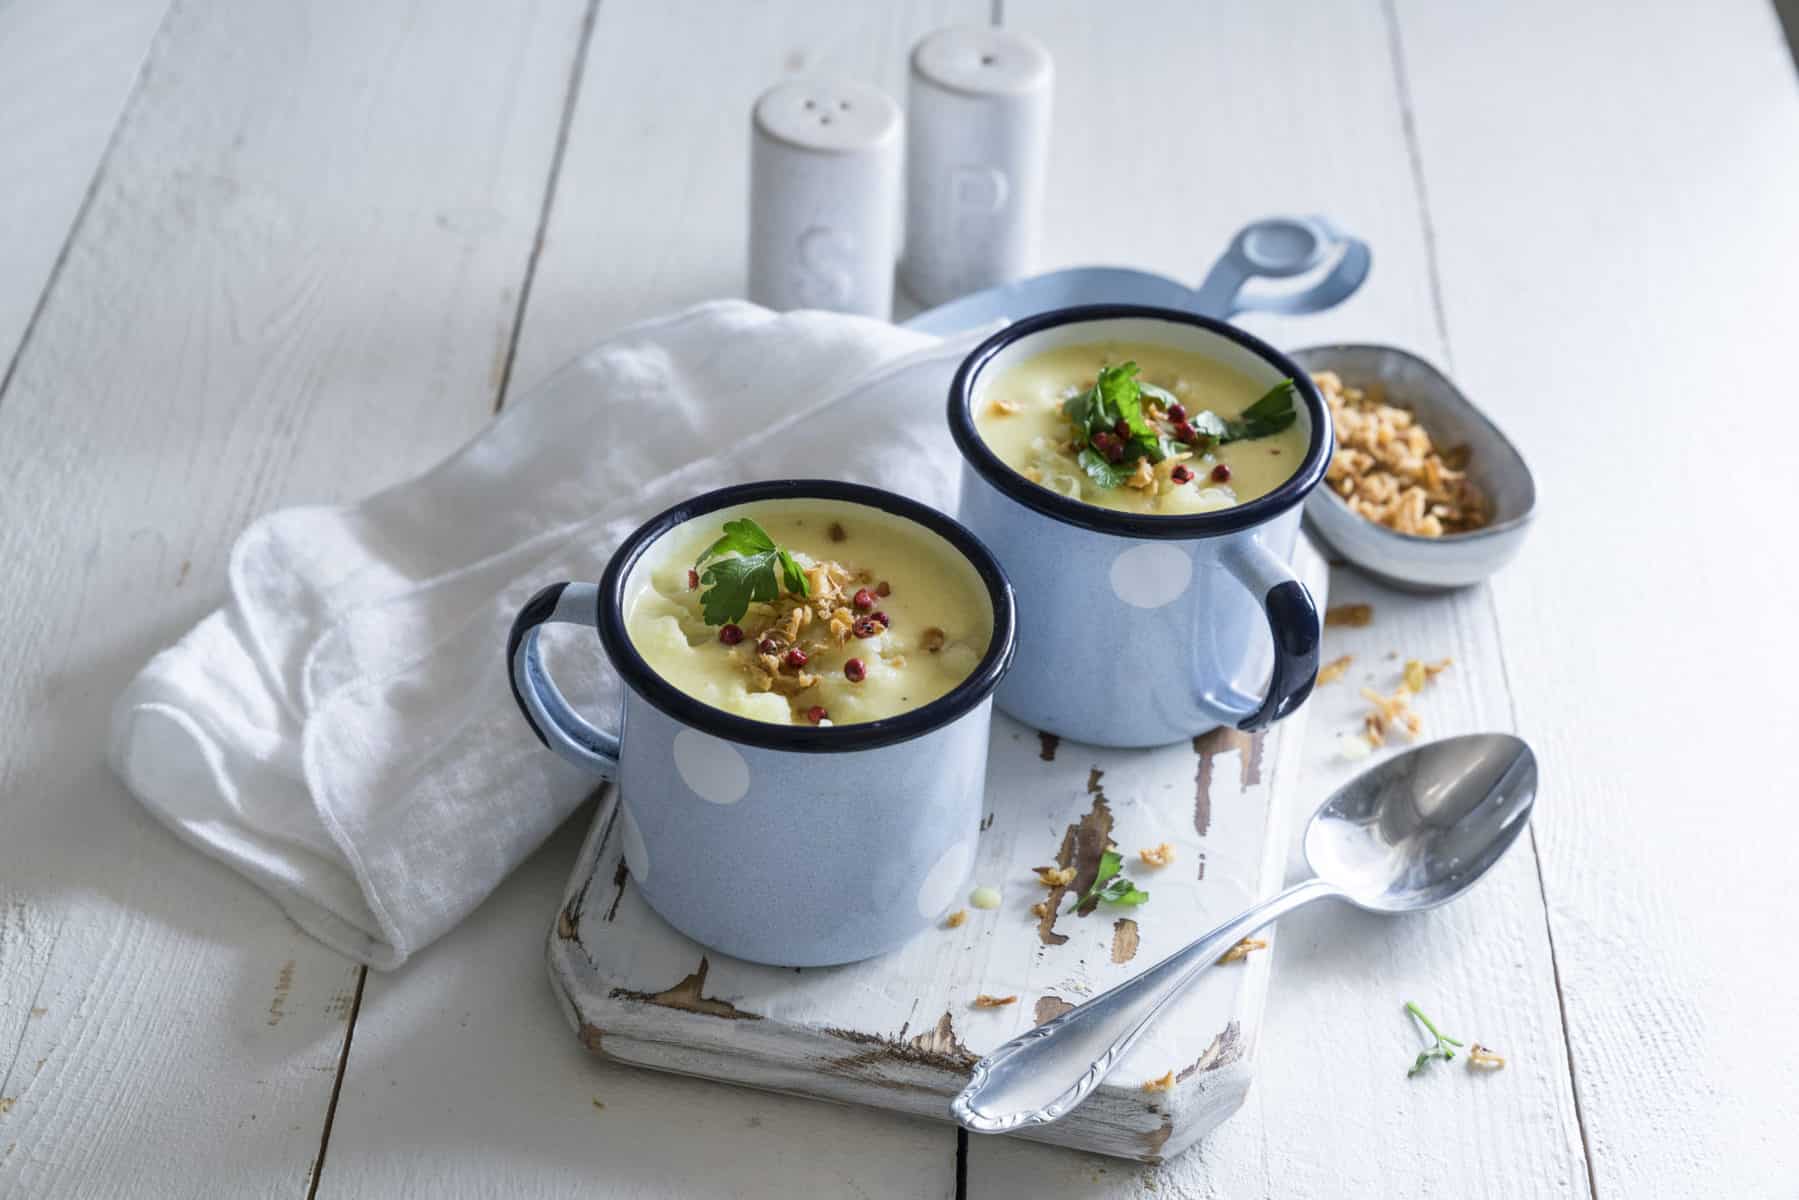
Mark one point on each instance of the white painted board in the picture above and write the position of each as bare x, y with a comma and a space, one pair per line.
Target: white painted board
901, 1031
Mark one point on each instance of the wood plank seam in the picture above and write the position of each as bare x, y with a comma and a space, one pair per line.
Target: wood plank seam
81, 211
1439, 313
337, 1085
1408, 123
577, 73
1555, 966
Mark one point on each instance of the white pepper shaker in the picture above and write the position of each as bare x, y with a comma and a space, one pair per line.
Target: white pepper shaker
824, 197
977, 132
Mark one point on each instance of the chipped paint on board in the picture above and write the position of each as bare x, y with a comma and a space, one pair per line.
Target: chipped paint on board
689, 996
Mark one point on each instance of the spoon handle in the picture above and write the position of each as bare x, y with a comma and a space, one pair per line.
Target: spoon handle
1040, 1075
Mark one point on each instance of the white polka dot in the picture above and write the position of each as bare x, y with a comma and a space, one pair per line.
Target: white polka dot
943, 880
637, 857
712, 768
1151, 575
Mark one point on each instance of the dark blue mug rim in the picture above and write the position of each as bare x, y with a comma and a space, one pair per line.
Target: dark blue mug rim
865, 735
1184, 527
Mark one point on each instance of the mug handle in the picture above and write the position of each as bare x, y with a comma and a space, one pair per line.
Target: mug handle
551, 717
1292, 620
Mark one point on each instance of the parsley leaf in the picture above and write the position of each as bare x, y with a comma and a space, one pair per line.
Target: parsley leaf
1106, 474
1271, 414
757, 573
1110, 886
1440, 1050
1115, 396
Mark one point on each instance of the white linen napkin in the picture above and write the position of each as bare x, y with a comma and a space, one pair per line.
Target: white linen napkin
342, 731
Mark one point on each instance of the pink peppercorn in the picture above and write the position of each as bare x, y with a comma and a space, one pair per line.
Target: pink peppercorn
1121, 427
866, 627
855, 670
693, 579
766, 646
1185, 432
863, 600
883, 619
730, 635
816, 713
1177, 412
795, 657
1180, 474
1221, 473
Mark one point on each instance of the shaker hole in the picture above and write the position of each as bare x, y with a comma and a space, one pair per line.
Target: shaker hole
811, 104
824, 118
987, 60
844, 105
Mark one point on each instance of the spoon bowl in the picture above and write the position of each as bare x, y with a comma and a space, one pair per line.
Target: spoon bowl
1410, 833
1420, 828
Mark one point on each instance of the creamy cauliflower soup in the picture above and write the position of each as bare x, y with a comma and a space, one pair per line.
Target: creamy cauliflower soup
809, 612
1141, 428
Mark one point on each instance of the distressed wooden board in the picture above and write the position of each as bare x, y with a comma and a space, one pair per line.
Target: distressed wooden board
900, 1031
290, 285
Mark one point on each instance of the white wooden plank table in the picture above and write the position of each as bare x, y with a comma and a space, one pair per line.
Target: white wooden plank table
261, 254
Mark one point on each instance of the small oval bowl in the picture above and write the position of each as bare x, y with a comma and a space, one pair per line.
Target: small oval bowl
1404, 560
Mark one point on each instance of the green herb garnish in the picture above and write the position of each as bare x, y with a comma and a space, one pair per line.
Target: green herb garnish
1116, 399
1271, 414
1440, 1050
1116, 396
1107, 475
758, 572
1110, 886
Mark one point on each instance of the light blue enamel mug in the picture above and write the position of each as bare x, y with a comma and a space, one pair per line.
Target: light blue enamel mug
1140, 630
794, 845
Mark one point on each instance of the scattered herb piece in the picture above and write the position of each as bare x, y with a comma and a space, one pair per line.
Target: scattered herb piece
1110, 886
758, 572
1269, 415
1440, 1050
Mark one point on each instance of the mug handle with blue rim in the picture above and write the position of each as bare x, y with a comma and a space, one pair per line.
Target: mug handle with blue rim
1293, 621
551, 717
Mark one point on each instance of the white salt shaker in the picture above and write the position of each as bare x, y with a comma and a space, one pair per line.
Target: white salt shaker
824, 197
977, 134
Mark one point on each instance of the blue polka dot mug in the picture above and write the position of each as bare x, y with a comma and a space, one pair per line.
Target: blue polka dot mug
796, 845
1135, 629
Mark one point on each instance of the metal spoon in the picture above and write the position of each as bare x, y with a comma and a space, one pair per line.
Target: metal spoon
1413, 832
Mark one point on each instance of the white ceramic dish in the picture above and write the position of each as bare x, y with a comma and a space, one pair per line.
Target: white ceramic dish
1400, 559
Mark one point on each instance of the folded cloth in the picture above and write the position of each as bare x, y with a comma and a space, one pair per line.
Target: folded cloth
342, 731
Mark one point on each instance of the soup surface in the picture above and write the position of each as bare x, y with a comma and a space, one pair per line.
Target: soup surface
809, 612
1141, 428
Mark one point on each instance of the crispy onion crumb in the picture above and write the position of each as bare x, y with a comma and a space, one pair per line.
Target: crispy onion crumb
1157, 856
1242, 950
